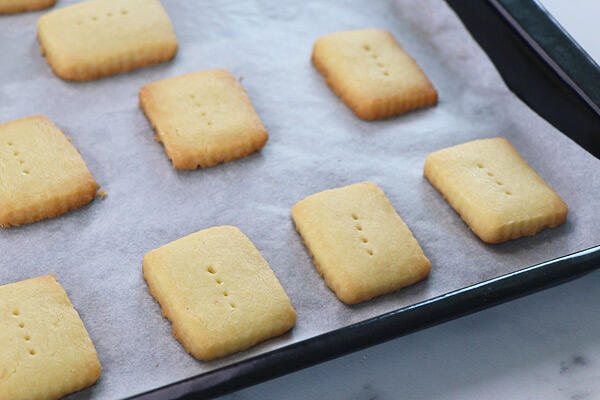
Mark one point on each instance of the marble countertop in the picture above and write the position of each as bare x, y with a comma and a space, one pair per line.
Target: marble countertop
543, 346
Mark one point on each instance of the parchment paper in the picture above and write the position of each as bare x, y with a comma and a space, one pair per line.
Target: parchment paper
315, 143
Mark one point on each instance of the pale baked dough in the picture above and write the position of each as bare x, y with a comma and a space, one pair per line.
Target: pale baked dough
96, 38
494, 190
372, 74
46, 353
203, 118
42, 175
218, 291
359, 243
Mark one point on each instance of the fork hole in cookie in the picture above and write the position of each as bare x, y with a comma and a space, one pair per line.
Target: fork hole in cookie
386, 73
219, 282
109, 14
25, 172
232, 305
209, 123
16, 153
94, 18
370, 252
21, 325
354, 217
32, 352
364, 240
367, 47
499, 183
10, 143
358, 228
490, 174
123, 12
210, 270
508, 193
374, 56
21, 161
479, 165
380, 64
15, 312
225, 293
192, 96
27, 338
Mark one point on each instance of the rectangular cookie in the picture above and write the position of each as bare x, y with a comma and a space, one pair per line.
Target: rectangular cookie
359, 244
218, 291
372, 74
46, 351
43, 175
16, 6
203, 118
96, 38
494, 190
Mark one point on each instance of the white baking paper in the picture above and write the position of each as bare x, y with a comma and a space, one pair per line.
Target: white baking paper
315, 143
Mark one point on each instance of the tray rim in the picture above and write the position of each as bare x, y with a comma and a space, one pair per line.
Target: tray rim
439, 309
555, 46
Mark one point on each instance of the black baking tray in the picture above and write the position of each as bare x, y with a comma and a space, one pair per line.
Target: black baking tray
550, 72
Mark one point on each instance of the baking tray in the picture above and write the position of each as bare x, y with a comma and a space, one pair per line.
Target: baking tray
53, 245
554, 73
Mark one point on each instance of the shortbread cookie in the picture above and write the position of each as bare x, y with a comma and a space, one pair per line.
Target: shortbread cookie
493, 189
372, 74
359, 244
46, 351
218, 292
43, 175
97, 38
16, 6
203, 118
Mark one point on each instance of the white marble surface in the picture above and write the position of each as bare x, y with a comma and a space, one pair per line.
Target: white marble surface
544, 346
